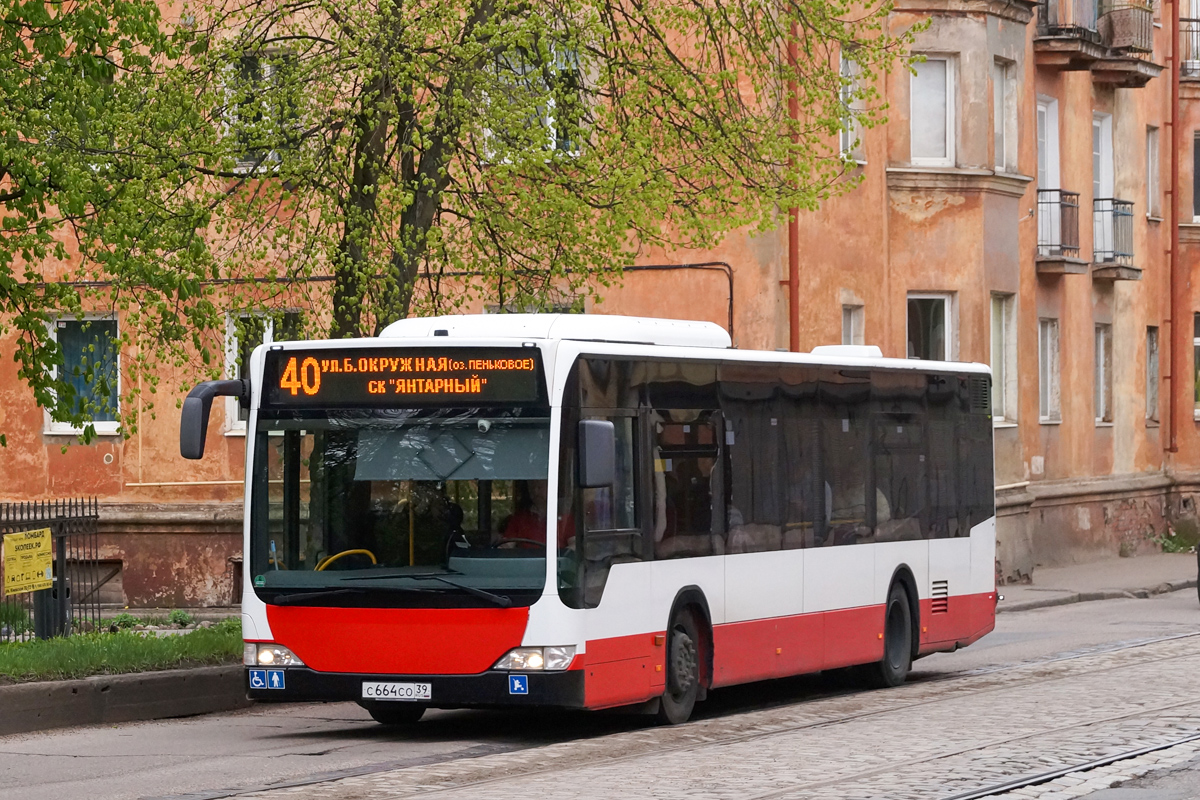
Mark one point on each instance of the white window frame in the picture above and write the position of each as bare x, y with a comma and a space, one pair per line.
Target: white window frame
1102, 387
951, 329
850, 137
1047, 133
853, 318
101, 427
1004, 115
1103, 231
234, 425
1196, 358
951, 116
1004, 351
1153, 173
1152, 373
1049, 389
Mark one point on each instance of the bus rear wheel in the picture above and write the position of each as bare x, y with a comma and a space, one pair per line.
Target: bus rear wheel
682, 667
398, 713
892, 669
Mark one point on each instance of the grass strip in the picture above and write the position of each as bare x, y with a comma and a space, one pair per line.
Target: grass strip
87, 654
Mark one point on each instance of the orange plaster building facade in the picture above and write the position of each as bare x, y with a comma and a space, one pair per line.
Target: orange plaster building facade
1016, 209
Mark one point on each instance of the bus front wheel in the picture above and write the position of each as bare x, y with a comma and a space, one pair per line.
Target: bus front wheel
892, 669
395, 713
683, 669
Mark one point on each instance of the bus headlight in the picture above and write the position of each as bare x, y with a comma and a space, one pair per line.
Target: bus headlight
546, 659
268, 654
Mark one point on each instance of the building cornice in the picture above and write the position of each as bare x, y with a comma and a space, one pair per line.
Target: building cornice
952, 179
1020, 11
1189, 232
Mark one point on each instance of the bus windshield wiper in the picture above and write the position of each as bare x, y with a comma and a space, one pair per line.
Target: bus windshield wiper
299, 597
499, 600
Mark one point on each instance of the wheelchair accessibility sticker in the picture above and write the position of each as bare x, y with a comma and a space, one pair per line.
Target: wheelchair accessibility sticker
266, 679
518, 684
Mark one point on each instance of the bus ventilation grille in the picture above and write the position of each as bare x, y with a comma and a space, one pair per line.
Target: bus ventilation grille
941, 597
981, 396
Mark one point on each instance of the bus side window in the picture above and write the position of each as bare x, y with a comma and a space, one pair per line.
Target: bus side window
898, 458
805, 520
611, 532
684, 459
844, 431
753, 456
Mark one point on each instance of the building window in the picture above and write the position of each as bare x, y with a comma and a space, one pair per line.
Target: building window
1153, 192
1047, 143
930, 328
1196, 361
1049, 409
260, 110
91, 367
1004, 359
1102, 400
243, 333
931, 115
1196, 178
1152, 374
1004, 115
852, 324
851, 145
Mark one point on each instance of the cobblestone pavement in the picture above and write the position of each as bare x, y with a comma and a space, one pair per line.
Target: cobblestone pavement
933, 739
1094, 781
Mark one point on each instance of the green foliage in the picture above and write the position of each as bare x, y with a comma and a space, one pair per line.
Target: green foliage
363, 162
124, 621
180, 617
128, 651
15, 618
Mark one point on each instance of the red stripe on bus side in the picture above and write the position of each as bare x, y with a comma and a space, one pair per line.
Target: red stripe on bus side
625, 669
398, 641
967, 618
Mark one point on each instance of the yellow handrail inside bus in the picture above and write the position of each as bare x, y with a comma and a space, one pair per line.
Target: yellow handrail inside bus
327, 560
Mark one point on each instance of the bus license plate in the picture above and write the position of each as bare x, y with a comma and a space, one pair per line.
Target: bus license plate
396, 691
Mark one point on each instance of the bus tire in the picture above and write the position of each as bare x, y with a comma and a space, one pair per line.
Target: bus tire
892, 669
684, 645
398, 713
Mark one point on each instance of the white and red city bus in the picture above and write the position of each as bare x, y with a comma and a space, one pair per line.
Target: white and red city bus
595, 511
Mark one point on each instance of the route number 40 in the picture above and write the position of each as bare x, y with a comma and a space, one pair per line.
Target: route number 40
307, 378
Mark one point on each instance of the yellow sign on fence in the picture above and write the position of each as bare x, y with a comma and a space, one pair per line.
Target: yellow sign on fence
28, 561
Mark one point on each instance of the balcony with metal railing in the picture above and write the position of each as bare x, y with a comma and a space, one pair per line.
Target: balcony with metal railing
1189, 49
1113, 39
1058, 233
1112, 240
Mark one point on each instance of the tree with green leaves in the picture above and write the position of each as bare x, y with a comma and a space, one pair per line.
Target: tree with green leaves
360, 162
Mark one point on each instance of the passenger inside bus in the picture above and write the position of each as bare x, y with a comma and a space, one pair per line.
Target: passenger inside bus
526, 526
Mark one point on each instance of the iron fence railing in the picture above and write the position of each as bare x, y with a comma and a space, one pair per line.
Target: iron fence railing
1127, 25
72, 604
1189, 48
1112, 222
1076, 18
1058, 223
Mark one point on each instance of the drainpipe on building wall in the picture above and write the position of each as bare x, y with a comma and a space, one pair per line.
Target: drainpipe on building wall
793, 281
1177, 283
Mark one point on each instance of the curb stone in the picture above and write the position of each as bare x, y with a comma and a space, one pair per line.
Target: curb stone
1084, 597
108, 699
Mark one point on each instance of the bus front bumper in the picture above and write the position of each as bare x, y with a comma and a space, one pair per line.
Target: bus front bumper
492, 688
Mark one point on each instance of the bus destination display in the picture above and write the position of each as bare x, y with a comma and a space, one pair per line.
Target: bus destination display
392, 377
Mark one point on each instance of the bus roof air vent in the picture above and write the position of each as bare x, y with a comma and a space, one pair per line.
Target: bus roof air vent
578, 327
848, 351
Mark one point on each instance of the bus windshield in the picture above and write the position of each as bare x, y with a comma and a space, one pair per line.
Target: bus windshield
399, 508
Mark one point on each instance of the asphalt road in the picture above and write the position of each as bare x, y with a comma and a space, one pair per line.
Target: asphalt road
222, 755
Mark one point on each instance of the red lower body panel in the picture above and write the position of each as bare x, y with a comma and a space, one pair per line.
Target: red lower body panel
629, 669
397, 641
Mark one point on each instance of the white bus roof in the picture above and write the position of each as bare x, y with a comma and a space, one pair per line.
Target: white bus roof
618, 332
578, 327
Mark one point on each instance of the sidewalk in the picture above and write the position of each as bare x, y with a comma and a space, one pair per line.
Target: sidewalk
1139, 576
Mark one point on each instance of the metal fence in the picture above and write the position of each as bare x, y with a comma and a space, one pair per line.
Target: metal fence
1073, 18
72, 604
1058, 223
1112, 231
1189, 48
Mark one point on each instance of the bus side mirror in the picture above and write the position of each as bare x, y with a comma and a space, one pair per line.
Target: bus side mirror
193, 424
597, 453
